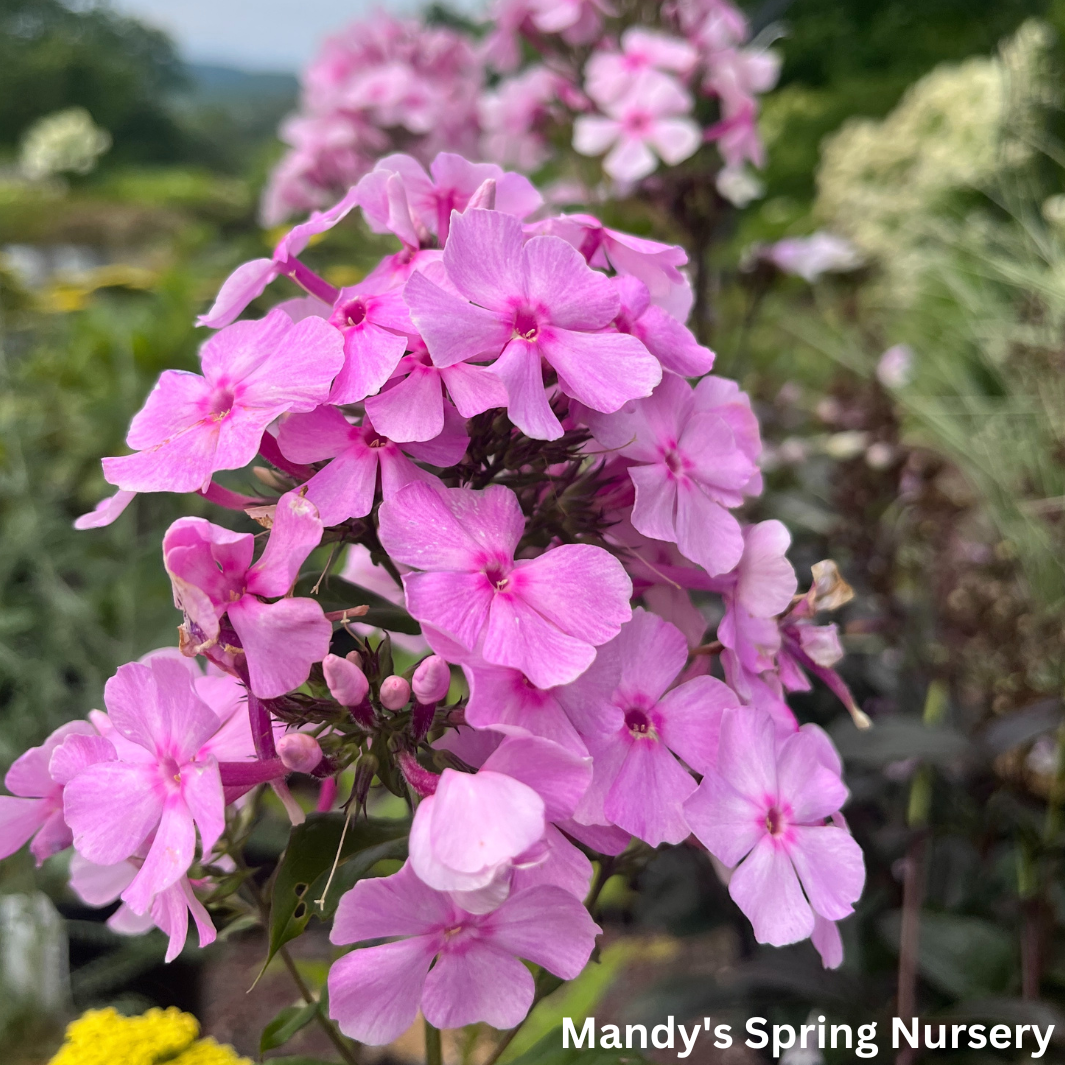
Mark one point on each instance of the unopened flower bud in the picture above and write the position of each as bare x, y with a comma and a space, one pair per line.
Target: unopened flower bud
395, 693
432, 679
347, 683
299, 752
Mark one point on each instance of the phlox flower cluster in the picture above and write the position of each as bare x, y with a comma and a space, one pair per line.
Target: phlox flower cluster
546, 71
510, 430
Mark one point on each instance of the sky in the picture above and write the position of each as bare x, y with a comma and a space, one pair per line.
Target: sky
275, 35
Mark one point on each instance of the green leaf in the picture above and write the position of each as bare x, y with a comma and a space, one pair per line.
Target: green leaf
338, 594
285, 1025
304, 870
549, 1051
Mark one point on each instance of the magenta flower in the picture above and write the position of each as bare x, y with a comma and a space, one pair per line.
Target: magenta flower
543, 616
523, 303
669, 341
191, 426
212, 573
450, 184
609, 75
765, 805
688, 471
171, 788
250, 279
100, 885
346, 487
375, 993
650, 120
633, 727
37, 811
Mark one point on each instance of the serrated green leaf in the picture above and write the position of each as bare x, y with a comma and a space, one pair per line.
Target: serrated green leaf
285, 1025
304, 870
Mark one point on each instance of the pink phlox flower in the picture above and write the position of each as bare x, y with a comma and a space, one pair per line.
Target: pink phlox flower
34, 810
478, 830
765, 806
578, 21
738, 75
634, 728
450, 184
750, 646
721, 396
375, 993
657, 265
412, 405
108, 510
543, 616
249, 280
213, 575
649, 122
359, 569
512, 116
190, 426
668, 340
162, 783
765, 580
688, 471
529, 303
347, 486
811, 257
608, 75
710, 24
101, 885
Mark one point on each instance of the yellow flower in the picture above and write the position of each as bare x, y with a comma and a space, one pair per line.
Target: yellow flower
105, 1037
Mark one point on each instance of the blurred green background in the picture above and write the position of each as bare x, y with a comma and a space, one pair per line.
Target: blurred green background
927, 132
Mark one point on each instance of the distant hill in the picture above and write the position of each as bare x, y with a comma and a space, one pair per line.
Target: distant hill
211, 84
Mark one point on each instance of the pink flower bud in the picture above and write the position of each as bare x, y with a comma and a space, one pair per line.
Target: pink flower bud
347, 683
395, 692
432, 679
299, 752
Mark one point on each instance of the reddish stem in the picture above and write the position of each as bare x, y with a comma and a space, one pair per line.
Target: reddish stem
262, 732
239, 774
272, 453
215, 493
310, 282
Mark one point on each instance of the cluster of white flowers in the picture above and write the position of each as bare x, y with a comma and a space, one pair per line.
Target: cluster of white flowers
65, 141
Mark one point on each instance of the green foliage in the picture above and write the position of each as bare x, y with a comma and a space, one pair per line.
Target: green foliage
289, 1021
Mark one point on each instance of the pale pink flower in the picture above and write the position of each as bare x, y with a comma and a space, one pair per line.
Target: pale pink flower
810, 257
578, 21
105, 512
634, 727
164, 782
100, 885
431, 680
213, 575
608, 75
765, 805
668, 340
543, 616
723, 397
529, 303
346, 487
512, 116
688, 471
647, 123
37, 810
191, 426
375, 993
765, 579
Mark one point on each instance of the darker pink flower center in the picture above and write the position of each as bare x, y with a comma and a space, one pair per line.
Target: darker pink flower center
774, 821
497, 576
221, 403
638, 723
354, 313
676, 463
637, 123
526, 327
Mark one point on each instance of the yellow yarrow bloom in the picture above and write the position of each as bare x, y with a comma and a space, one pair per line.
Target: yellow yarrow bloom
105, 1037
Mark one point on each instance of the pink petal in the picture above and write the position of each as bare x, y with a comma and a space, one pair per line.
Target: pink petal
374, 993
371, 355
450, 445
29, 775
413, 409
560, 777
648, 793
53, 837
187, 721
565, 866
547, 926
111, 807
397, 905
518, 367
475, 982
557, 277
176, 404
654, 511
813, 791
453, 330
826, 939
648, 653
456, 603
746, 754
169, 856
295, 533
281, 640
201, 788
99, 885
247, 282
728, 824
706, 532
603, 370
19, 820
345, 487
707, 442
767, 580
766, 888
831, 868
317, 435
105, 512
473, 389
675, 139
182, 464
170, 914
593, 134
581, 589
691, 717
483, 258
606, 839
630, 160
77, 753
673, 344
